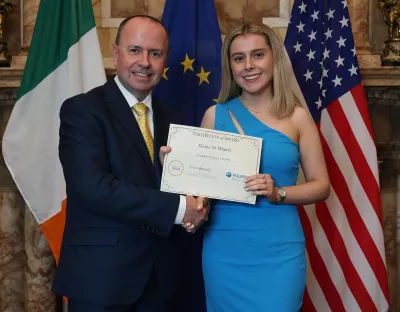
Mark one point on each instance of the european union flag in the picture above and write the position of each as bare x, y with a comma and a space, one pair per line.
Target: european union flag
192, 77
191, 83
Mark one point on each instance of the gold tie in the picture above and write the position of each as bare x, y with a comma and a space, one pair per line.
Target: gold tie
141, 110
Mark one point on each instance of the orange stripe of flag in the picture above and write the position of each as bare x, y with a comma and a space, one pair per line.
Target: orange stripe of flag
53, 230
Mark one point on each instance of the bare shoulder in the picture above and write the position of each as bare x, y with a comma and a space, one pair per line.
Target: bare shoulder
209, 118
301, 117
300, 114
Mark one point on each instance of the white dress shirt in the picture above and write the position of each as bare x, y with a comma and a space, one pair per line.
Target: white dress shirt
148, 101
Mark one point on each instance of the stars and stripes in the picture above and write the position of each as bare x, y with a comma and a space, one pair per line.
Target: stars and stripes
344, 236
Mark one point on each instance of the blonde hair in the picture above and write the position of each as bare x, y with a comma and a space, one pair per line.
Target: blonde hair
284, 100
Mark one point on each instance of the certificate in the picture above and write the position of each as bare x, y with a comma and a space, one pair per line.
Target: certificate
210, 163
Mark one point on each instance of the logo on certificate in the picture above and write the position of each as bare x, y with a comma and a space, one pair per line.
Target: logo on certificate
175, 168
235, 176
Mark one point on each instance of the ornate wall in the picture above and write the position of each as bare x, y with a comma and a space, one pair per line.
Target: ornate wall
109, 13
26, 264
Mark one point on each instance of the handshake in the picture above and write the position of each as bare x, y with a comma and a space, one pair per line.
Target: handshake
196, 208
196, 214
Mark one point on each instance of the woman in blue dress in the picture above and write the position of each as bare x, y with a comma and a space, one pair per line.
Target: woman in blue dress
254, 255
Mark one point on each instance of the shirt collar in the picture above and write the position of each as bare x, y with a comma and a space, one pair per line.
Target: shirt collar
130, 98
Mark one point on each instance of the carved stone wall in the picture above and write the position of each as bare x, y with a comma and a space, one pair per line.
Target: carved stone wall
230, 14
384, 107
12, 33
378, 28
26, 261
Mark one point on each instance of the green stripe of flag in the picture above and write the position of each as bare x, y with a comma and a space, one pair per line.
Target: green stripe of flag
59, 25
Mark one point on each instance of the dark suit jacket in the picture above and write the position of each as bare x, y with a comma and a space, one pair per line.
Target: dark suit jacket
118, 224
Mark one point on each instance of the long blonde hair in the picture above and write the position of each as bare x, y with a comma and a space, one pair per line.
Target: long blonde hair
284, 100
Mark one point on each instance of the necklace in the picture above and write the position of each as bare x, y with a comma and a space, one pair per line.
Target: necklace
252, 110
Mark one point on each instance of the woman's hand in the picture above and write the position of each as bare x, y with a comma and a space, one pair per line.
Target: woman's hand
164, 150
262, 184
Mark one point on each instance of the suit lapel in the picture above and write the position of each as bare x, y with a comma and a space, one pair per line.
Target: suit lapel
161, 128
118, 105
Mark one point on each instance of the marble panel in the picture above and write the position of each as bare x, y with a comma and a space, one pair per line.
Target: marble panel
26, 261
255, 10
359, 16
7, 100
12, 253
383, 103
378, 28
379, 115
156, 8
30, 10
97, 12
124, 8
106, 39
230, 13
12, 31
39, 269
388, 199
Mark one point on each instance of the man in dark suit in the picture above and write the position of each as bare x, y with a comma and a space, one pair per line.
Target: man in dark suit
120, 248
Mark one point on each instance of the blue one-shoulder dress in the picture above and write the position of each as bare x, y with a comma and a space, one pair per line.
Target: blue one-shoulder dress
254, 255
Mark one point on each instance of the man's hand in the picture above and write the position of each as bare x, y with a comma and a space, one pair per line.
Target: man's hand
196, 213
164, 150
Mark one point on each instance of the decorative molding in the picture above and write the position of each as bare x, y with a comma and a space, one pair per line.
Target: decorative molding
389, 151
106, 20
373, 75
8, 96
283, 19
380, 76
385, 101
383, 95
10, 78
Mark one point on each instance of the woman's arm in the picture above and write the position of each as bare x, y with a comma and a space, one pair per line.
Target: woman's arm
317, 185
209, 118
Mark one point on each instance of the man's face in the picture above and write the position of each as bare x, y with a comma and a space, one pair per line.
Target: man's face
140, 56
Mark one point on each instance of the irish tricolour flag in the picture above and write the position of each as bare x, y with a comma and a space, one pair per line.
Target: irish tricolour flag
64, 60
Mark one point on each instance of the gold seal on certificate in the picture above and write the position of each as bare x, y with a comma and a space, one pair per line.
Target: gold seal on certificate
210, 163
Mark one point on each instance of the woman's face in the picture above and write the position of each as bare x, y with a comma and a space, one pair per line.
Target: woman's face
252, 63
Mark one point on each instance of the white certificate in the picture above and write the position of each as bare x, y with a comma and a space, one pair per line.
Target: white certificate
210, 163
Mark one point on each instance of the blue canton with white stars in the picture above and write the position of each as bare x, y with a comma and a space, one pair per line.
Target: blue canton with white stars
321, 48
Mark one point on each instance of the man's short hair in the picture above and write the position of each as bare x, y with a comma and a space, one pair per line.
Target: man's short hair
126, 20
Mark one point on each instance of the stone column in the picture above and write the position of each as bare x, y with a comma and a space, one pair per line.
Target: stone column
12, 255
397, 278
359, 16
385, 114
26, 261
30, 10
39, 268
388, 198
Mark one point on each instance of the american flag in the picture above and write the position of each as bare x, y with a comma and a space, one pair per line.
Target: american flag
344, 238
